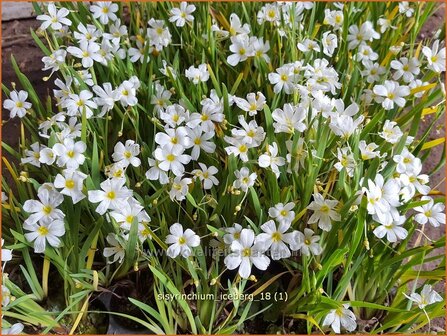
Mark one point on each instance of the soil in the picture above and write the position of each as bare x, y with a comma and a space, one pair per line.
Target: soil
17, 41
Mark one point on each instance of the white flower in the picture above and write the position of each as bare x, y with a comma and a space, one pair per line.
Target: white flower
106, 97
430, 212
253, 104
329, 42
341, 316
373, 71
168, 70
112, 196
105, 11
175, 115
392, 228
406, 68
47, 156
382, 198
368, 151
70, 153
17, 104
260, 48
404, 8
206, 175
116, 250
77, 104
172, 159
33, 155
199, 140
283, 79
116, 170
244, 180
43, 232
236, 27
366, 54
173, 138
159, 35
392, 133
232, 233
116, 32
155, 173
323, 212
435, 57
283, 213
44, 210
197, 75
250, 134
89, 33
6, 254
181, 241
393, 94
307, 243
15, 329
289, 119
414, 180
427, 297
384, 24
71, 183
55, 18
6, 296
87, 51
126, 93
54, 61
238, 148
406, 161
271, 159
357, 36
182, 15
275, 239
179, 188
245, 253
161, 97
345, 161
130, 210
308, 45
333, 18
127, 154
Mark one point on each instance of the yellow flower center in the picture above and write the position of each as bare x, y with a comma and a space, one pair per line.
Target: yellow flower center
19, 104
307, 241
283, 213
105, 10
129, 219
69, 184
246, 252
127, 154
204, 117
47, 209
197, 141
324, 208
182, 240
70, 154
284, 77
170, 157
111, 195
276, 236
242, 51
236, 235
43, 230
243, 148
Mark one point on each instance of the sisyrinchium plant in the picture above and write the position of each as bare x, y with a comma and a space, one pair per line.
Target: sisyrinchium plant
245, 167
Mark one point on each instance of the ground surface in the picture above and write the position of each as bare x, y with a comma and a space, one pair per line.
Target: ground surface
16, 40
